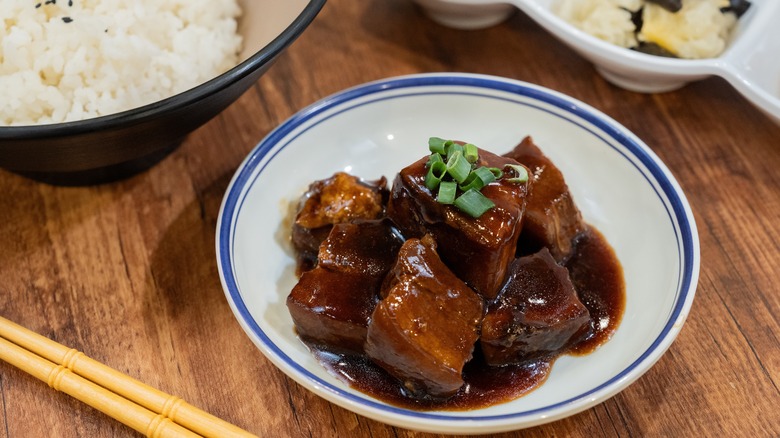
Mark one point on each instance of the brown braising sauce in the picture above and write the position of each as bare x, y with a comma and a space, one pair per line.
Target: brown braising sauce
597, 277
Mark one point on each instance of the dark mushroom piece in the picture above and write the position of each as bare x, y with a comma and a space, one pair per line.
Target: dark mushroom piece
653, 49
669, 5
738, 7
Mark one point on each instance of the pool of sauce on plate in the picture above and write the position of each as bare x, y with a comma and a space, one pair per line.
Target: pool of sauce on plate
598, 279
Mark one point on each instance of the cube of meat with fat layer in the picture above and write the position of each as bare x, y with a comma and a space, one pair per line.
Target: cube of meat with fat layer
551, 218
363, 247
478, 250
332, 303
332, 309
536, 313
424, 329
341, 198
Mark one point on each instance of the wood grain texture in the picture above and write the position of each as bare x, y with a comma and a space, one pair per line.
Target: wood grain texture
127, 270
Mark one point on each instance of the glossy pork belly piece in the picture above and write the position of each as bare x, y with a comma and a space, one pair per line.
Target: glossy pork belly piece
362, 248
338, 199
332, 303
477, 250
551, 218
424, 329
537, 312
332, 309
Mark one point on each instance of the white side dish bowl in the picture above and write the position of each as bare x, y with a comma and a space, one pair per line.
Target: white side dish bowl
749, 63
375, 129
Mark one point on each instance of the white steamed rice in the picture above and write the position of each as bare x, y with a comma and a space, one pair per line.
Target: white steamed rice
67, 60
609, 20
698, 30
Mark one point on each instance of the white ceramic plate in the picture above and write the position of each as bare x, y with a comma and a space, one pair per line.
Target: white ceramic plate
621, 187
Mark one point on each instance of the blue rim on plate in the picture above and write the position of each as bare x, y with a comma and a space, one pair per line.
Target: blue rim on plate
573, 111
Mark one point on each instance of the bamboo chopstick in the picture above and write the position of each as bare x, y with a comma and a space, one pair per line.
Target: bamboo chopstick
74, 363
62, 379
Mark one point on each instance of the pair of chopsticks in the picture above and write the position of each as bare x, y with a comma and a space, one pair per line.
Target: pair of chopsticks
137, 405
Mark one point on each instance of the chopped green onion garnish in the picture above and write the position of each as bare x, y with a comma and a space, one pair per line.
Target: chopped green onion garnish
471, 153
457, 166
485, 175
436, 145
473, 203
434, 157
498, 173
453, 147
452, 169
471, 182
447, 191
435, 173
478, 178
520, 171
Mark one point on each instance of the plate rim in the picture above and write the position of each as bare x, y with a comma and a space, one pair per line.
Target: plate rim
673, 198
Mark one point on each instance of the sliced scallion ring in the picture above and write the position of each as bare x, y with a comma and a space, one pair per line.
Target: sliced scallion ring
452, 147
471, 153
436, 172
457, 166
434, 157
436, 145
478, 178
473, 203
521, 173
447, 192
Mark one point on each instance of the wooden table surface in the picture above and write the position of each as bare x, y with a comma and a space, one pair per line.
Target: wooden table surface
126, 272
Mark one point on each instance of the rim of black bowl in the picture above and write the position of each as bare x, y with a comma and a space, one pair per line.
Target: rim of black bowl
212, 86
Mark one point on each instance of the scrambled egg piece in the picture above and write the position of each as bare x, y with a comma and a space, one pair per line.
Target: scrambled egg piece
609, 20
698, 30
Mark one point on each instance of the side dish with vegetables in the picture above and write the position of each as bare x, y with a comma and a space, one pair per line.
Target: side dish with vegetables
458, 286
690, 29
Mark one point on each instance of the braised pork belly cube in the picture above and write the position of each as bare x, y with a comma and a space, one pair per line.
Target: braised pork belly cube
537, 312
332, 303
332, 309
551, 218
363, 248
341, 198
424, 329
478, 250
